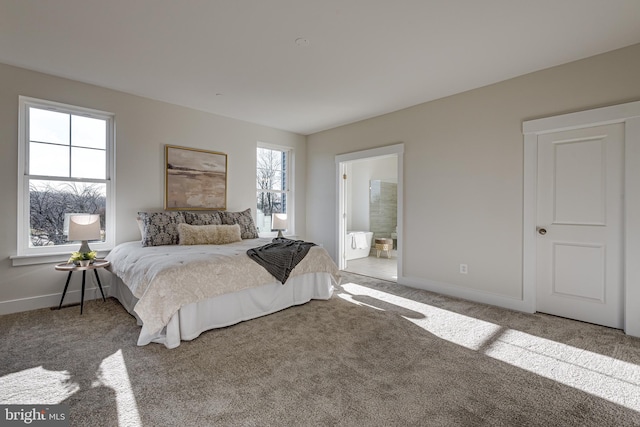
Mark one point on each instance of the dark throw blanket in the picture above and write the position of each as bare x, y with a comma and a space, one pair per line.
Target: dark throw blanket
280, 256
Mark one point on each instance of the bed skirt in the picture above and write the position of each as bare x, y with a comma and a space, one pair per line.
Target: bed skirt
228, 309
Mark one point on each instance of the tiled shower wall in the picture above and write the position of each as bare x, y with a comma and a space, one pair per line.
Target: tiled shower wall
383, 208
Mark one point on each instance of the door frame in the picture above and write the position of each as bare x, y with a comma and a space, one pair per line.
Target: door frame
629, 115
341, 161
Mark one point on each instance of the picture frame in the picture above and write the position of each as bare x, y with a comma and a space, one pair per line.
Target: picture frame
195, 179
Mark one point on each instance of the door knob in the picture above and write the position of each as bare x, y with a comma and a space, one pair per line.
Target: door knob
542, 231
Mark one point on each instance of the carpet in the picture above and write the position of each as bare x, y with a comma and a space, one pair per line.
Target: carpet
375, 354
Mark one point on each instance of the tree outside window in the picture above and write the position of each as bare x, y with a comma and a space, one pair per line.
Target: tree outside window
49, 201
272, 185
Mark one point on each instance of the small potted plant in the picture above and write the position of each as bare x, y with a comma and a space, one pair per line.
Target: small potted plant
82, 259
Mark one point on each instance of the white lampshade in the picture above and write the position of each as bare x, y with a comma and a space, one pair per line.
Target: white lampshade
279, 221
65, 226
84, 227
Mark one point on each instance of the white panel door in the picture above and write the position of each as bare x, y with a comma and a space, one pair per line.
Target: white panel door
579, 224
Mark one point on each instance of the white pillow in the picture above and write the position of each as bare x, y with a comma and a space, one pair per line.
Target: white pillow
208, 234
140, 226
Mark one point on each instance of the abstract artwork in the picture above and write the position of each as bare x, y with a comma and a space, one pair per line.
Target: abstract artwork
195, 179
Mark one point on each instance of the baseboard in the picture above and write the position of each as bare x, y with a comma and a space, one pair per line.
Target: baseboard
51, 300
466, 293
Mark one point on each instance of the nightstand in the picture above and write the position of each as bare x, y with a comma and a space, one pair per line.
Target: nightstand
98, 263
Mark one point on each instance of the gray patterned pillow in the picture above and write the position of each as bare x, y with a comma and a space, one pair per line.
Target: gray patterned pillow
160, 228
203, 218
244, 219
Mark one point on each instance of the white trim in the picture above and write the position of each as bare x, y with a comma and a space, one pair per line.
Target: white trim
53, 300
45, 258
632, 227
388, 150
341, 191
271, 146
464, 293
530, 173
341, 161
596, 117
23, 251
629, 115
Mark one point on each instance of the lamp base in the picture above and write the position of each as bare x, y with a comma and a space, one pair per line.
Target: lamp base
280, 234
84, 247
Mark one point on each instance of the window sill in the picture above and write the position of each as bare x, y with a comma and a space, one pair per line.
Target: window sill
20, 260
274, 235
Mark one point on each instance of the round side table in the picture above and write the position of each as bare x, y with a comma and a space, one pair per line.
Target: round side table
98, 263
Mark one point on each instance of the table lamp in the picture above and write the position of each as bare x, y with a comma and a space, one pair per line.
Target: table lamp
279, 222
84, 227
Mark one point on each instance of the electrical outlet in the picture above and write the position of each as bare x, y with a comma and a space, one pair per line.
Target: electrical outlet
464, 269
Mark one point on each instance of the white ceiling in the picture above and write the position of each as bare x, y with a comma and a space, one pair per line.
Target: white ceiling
240, 59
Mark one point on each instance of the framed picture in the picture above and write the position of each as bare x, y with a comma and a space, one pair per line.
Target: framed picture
195, 179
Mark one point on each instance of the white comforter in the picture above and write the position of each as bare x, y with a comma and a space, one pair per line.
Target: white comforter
165, 278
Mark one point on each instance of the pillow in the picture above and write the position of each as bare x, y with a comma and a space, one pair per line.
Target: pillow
244, 219
160, 228
140, 225
202, 218
208, 234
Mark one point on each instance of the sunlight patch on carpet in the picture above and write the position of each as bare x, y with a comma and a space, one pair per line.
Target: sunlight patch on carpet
113, 374
36, 386
602, 376
457, 328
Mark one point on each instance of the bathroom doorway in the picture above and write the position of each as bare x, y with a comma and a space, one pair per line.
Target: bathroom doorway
370, 212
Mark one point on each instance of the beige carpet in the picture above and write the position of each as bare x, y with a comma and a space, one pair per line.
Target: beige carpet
376, 354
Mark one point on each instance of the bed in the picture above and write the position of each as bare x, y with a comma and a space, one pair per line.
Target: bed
176, 292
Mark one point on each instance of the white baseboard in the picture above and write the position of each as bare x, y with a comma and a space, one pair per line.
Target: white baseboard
466, 293
51, 300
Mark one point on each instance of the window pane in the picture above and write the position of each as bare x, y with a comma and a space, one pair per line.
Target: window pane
269, 179
48, 159
88, 132
50, 200
88, 163
270, 169
48, 126
269, 203
263, 222
262, 153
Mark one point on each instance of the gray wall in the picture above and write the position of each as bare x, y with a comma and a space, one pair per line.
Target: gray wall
463, 169
143, 127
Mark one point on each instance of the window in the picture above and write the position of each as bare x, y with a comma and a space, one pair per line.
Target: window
65, 166
273, 187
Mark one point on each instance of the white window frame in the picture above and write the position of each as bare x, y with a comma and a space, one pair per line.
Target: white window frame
288, 191
32, 255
